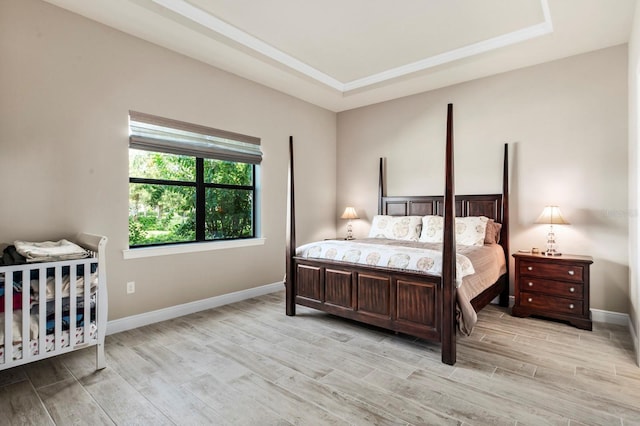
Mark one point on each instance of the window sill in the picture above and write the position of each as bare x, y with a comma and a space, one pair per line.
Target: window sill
137, 253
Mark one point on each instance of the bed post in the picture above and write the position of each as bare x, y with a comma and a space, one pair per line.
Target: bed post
448, 331
291, 240
504, 233
380, 186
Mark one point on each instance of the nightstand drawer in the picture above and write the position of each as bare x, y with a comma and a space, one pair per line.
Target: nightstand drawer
549, 303
558, 271
552, 288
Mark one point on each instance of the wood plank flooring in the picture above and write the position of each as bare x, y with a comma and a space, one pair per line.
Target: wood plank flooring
249, 364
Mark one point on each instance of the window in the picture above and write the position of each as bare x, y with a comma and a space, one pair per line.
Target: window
189, 183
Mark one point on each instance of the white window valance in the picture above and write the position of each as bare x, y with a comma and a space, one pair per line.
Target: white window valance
152, 133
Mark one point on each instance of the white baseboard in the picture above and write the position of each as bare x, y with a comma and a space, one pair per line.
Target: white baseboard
135, 321
634, 336
610, 317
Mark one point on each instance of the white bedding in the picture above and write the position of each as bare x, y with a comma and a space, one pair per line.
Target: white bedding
381, 252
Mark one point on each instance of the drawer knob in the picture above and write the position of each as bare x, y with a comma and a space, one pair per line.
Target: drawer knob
571, 306
531, 300
572, 290
529, 268
572, 273
530, 284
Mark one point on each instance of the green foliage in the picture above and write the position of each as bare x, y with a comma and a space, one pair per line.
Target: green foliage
226, 172
166, 213
154, 165
228, 213
137, 235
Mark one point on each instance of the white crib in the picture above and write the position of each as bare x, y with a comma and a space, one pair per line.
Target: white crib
52, 316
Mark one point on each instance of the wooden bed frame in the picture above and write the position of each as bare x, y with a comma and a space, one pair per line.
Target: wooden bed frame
417, 304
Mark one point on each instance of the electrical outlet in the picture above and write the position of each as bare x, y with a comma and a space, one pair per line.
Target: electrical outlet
131, 287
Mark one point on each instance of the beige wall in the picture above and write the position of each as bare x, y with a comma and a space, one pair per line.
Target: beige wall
634, 200
66, 86
566, 122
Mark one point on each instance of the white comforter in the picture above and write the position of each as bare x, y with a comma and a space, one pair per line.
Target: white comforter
385, 253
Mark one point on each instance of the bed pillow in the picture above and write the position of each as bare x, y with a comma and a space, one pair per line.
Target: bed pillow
405, 228
471, 230
432, 229
492, 234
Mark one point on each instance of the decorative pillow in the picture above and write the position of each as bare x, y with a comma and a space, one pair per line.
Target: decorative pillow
492, 234
432, 229
470, 230
396, 227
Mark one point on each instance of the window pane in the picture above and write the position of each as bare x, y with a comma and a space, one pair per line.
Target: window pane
228, 213
227, 172
161, 214
158, 165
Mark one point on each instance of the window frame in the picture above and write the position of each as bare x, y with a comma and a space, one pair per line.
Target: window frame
246, 151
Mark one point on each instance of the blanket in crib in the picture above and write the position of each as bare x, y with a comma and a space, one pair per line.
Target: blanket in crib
65, 318
50, 342
50, 285
50, 251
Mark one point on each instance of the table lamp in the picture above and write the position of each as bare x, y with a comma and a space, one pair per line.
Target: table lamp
551, 215
349, 214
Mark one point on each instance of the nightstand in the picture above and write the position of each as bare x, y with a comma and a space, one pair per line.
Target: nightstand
554, 287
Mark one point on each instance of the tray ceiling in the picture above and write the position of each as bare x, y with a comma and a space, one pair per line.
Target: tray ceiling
344, 54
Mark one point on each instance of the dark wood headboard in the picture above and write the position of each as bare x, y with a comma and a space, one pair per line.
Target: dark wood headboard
466, 205
493, 206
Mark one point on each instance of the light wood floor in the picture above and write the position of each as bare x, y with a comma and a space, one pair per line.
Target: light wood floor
248, 363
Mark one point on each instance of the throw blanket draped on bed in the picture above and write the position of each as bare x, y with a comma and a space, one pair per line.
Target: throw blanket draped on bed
477, 267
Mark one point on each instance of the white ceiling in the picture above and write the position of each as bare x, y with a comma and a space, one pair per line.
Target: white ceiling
343, 54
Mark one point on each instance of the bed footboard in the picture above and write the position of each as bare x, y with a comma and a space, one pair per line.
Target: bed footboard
402, 302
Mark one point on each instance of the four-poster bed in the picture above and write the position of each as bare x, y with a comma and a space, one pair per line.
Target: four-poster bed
406, 301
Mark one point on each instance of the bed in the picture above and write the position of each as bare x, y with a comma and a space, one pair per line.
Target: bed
48, 308
418, 302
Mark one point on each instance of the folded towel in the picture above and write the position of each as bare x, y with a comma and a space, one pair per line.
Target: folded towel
50, 251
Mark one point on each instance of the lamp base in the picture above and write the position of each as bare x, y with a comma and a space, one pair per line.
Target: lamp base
551, 253
349, 230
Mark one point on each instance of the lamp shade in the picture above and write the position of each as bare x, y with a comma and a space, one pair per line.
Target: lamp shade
552, 215
349, 213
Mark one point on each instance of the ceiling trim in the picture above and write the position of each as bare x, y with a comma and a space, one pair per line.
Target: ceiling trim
209, 21
201, 17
